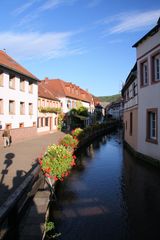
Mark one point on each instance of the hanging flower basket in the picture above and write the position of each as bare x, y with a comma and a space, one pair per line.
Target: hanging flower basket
56, 163
69, 142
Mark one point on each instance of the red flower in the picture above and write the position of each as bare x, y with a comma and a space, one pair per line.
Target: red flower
55, 178
47, 170
73, 163
74, 157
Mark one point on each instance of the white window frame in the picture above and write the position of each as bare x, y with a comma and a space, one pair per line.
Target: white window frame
157, 67
152, 125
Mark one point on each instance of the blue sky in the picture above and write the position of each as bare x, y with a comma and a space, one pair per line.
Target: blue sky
86, 42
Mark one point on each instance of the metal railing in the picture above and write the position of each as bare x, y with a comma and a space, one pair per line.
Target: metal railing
11, 210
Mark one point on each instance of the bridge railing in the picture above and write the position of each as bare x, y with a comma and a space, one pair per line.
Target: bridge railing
13, 207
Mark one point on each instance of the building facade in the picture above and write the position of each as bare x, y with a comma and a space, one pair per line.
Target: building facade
130, 108
115, 109
70, 96
142, 112
148, 69
18, 98
48, 109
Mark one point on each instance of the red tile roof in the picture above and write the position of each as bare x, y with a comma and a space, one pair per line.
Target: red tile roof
45, 93
61, 88
9, 63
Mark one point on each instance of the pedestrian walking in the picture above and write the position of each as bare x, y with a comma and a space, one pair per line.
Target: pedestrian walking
6, 137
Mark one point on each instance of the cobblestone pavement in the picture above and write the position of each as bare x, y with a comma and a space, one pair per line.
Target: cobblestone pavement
18, 159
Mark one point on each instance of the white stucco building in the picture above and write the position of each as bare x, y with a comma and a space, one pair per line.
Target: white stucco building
142, 112
70, 96
48, 109
115, 109
148, 70
18, 98
130, 108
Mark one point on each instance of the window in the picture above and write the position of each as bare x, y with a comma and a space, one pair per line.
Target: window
22, 84
30, 87
46, 122
131, 123
144, 73
41, 122
134, 89
152, 125
43, 103
22, 108
1, 79
156, 68
1, 106
55, 121
69, 104
127, 94
30, 108
11, 107
12, 81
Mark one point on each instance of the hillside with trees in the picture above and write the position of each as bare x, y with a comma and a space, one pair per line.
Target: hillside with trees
112, 98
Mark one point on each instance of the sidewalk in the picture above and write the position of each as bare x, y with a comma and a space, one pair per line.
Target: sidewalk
17, 160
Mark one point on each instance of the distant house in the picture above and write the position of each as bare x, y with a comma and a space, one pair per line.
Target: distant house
144, 124
115, 109
130, 111
18, 98
48, 108
70, 96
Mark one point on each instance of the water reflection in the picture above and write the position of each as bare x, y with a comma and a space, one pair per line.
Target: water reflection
141, 196
109, 195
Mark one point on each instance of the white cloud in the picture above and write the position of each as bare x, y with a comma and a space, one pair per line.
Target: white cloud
51, 4
132, 21
39, 7
94, 3
38, 46
23, 7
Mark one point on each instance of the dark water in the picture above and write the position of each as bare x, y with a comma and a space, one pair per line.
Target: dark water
109, 195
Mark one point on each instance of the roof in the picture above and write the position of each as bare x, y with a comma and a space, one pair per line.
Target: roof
115, 104
61, 88
149, 34
131, 77
45, 93
96, 100
9, 63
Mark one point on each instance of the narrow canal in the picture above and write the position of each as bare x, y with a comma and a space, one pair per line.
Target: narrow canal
109, 195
